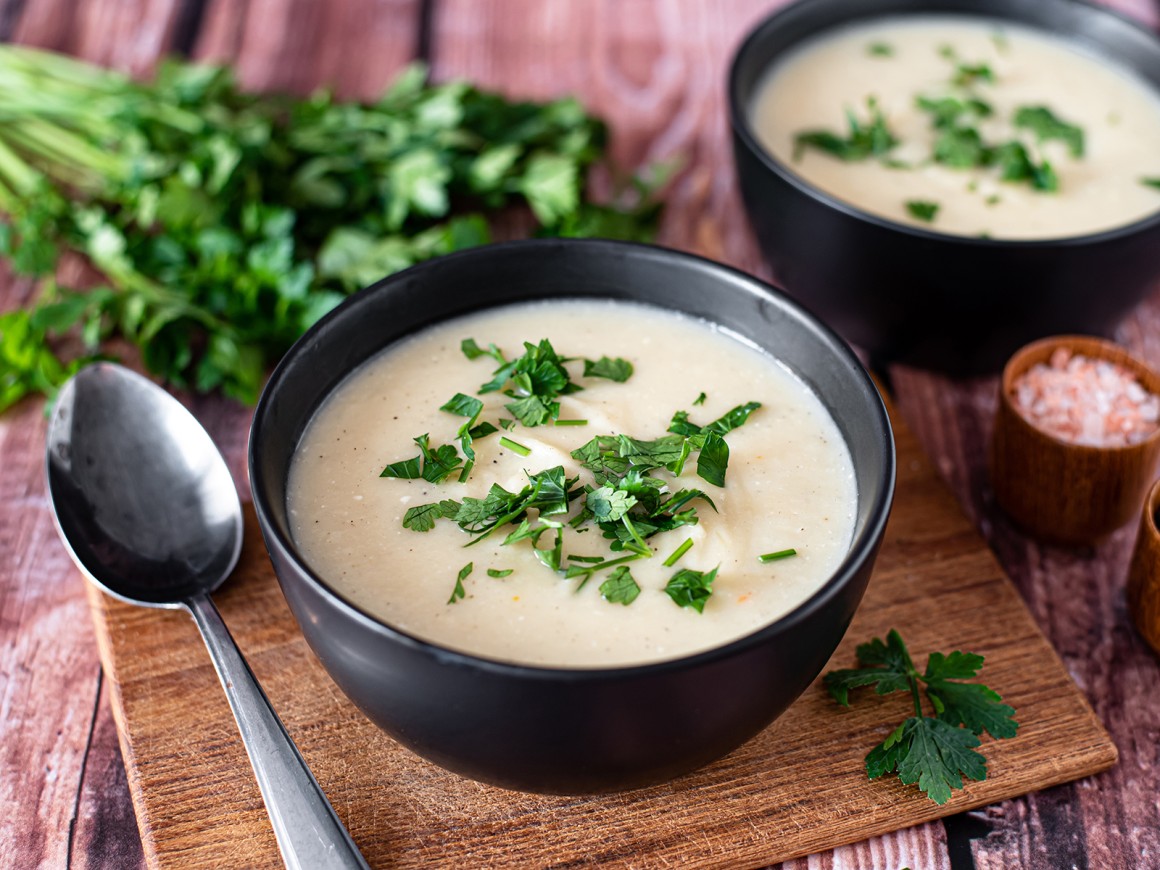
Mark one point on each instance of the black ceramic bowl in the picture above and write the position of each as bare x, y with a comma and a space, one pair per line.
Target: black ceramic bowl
551, 729
962, 305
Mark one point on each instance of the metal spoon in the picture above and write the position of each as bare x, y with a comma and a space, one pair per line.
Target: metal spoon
147, 509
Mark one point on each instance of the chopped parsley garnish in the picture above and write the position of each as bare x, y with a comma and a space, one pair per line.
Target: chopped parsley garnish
433, 465
765, 558
935, 752
689, 588
619, 370
922, 210
422, 517
620, 587
459, 593
967, 74
700, 400
1151, 182
880, 49
1045, 125
628, 500
870, 138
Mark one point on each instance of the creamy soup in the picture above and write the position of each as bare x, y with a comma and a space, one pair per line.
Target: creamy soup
1089, 132
789, 485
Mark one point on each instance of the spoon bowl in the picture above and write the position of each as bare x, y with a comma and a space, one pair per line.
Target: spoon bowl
147, 508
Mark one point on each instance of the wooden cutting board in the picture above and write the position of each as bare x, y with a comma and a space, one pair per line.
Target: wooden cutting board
798, 787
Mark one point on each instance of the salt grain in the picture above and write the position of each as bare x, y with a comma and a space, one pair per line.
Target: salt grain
1085, 401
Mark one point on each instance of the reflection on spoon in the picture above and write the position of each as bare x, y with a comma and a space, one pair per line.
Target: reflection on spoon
147, 509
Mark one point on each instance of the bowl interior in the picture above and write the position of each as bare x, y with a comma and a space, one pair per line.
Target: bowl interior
544, 269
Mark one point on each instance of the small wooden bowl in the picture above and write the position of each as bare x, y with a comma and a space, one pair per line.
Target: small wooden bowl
1058, 491
1144, 574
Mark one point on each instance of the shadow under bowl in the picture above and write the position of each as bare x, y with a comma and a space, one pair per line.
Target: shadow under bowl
552, 729
957, 304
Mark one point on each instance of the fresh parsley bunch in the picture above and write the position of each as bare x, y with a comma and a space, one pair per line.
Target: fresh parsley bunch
935, 752
224, 223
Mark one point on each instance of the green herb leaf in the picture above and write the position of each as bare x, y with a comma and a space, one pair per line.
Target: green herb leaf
421, 518
880, 49
1046, 126
871, 138
499, 572
1151, 182
619, 370
689, 588
713, 459
463, 406
932, 751
700, 400
932, 754
922, 210
620, 587
968, 74
459, 592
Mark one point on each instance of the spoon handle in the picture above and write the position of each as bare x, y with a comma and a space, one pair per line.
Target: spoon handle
310, 835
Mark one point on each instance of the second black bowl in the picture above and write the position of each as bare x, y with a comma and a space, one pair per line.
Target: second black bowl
961, 305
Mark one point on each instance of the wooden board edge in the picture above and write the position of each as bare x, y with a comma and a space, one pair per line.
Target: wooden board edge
99, 608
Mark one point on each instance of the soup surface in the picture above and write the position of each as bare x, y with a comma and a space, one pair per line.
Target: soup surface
789, 484
1002, 166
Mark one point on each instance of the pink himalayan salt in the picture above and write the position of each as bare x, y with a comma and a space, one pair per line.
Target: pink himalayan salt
1086, 401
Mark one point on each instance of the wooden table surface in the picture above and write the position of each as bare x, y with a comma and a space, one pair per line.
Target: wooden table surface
655, 69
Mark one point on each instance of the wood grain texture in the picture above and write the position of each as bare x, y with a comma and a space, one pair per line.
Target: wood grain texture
1144, 572
654, 68
798, 788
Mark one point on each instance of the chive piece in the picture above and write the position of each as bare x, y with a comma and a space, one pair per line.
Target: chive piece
515, 446
571, 422
765, 558
677, 553
499, 572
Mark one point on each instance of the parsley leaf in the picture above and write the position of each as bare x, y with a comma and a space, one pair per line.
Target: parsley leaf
1044, 123
922, 209
1151, 182
421, 518
459, 593
880, 49
713, 459
932, 754
619, 370
865, 139
689, 588
935, 752
620, 587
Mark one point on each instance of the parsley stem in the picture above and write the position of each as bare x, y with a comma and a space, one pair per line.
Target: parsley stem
571, 423
514, 446
765, 558
677, 553
914, 693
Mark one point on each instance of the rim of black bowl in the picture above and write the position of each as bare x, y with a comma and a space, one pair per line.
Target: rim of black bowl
861, 547
740, 121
